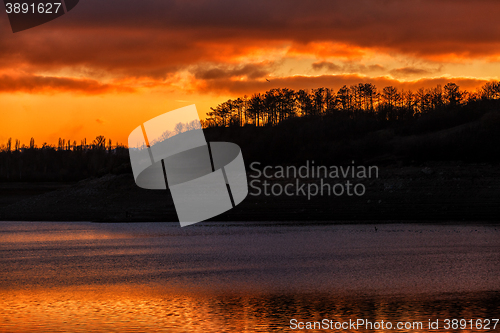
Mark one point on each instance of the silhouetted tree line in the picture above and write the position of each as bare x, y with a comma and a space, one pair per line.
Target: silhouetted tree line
283, 126
389, 104
68, 161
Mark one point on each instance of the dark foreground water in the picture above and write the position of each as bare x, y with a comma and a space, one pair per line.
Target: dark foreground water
247, 277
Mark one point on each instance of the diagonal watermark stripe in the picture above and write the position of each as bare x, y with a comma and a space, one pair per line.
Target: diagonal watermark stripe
171, 151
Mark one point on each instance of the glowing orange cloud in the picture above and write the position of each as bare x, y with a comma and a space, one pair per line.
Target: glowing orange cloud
48, 84
122, 60
242, 87
327, 50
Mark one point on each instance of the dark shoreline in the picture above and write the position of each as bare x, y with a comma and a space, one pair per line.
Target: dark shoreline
432, 192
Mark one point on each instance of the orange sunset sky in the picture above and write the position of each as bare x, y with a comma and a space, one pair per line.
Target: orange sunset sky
109, 65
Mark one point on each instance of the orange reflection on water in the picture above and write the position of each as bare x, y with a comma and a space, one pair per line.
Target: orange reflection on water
40, 233
140, 308
124, 308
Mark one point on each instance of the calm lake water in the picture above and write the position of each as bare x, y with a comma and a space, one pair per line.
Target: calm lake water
244, 277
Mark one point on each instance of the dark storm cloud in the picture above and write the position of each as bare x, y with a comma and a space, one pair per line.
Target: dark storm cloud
156, 38
140, 35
